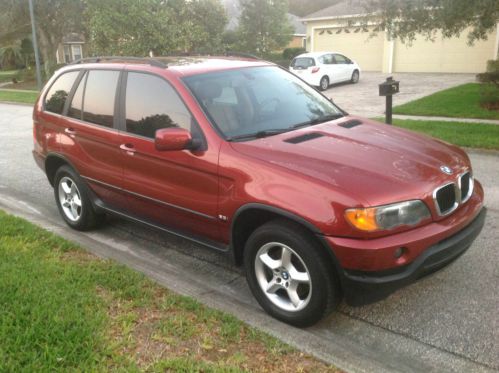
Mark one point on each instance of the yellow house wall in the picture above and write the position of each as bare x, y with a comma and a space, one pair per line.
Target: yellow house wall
452, 55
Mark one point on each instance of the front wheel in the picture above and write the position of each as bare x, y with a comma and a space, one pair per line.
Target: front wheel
289, 273
355, 77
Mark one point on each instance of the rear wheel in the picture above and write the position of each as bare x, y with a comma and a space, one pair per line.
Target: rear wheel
324, 83
73, 202
288, 273
355, 77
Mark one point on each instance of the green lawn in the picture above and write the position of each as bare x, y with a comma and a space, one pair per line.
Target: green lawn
6, 75
473, 135
63, 309
458, 102
21, 96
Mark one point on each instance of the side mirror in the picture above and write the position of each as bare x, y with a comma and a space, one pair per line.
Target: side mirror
174, 139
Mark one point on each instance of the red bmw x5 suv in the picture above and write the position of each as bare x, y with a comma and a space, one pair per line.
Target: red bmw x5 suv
242, 156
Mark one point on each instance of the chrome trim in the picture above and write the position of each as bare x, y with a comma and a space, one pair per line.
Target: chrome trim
151, 199
457, 194
471, 186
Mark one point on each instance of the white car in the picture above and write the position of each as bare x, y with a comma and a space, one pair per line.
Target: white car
321, 69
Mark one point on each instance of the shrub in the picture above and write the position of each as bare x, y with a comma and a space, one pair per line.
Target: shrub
489, 95
290, 53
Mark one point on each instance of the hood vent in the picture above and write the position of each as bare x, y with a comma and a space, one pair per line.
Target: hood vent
303, 138
350, 123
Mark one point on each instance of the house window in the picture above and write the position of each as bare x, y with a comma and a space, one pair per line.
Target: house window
67, 54
76, 49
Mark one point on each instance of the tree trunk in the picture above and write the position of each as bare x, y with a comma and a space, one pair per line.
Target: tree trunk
48, 49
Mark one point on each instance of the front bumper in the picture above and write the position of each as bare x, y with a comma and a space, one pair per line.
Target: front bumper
364, 287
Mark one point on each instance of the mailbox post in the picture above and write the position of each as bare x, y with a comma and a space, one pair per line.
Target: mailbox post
388, 89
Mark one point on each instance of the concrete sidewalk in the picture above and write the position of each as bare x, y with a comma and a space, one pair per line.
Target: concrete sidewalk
446, 119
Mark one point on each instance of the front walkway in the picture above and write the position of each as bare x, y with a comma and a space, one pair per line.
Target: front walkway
446, 119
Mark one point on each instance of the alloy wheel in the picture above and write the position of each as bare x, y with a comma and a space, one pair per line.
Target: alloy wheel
70, 199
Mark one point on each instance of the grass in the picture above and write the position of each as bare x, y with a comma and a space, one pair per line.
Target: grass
21, 96
63, 309
473, 135
7, 75
457, 102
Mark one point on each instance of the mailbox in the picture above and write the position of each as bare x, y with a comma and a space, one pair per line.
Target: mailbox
389, 87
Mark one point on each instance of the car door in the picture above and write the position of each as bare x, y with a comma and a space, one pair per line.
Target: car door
328, 64
177, 189
343, 67
91, 140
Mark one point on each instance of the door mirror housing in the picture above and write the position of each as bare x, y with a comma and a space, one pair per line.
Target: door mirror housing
168, 139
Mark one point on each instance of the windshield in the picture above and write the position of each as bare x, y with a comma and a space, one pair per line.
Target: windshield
259, 101
303, 62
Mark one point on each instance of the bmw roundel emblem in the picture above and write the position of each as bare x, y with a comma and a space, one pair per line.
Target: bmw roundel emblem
446, 170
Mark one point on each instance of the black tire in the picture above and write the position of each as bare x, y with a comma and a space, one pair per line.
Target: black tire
355, 77
324, 287
87, 217
324, 83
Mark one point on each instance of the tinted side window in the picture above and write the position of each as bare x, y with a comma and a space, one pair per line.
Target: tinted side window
100, 92
59, 91
341, 60
76, 107
152, 104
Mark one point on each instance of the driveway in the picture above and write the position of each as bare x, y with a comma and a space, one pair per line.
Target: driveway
446, 322
363, 98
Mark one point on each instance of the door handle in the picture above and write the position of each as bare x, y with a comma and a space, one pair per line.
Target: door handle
70, 131
130, 150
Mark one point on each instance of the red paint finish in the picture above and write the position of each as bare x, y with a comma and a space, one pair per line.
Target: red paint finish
200, 190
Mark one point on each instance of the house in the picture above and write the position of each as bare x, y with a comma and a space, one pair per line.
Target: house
299, 32
338, 28
71, 48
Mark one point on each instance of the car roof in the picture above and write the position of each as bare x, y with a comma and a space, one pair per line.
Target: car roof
181, 66
317, 54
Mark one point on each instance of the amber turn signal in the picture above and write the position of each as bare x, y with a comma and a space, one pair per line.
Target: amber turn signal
363, 219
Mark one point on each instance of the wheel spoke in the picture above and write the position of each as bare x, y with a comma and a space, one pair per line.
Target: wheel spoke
269, 262
272, 287
66, 204
77, 200
74, 211
293, 295
297, 276
65, 187
74, 191
285, 257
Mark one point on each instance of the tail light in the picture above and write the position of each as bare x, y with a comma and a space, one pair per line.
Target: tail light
315, 69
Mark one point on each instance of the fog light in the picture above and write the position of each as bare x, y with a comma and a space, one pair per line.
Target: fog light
399, 252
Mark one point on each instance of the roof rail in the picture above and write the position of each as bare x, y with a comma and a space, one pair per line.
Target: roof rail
150, 61
241, 54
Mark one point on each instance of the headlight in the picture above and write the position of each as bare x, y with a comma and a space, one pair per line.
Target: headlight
388, 216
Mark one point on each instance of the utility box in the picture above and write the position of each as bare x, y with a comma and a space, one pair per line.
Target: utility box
389, 87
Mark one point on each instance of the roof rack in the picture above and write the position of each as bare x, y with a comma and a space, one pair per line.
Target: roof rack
241, 54
150, 61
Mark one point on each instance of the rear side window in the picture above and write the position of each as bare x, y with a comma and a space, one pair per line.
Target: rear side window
152, 104
59, 91
303, 62
76, 107
99, 97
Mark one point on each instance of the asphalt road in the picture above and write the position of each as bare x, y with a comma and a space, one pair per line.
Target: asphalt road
446, 322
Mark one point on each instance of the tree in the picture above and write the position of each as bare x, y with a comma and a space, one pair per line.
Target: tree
406, 19
131, 27
54, 19
264, 26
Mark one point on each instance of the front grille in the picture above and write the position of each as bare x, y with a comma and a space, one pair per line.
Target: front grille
445, 198
449, 196
466, 186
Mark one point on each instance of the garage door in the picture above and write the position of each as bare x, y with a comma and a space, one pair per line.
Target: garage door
355, 44
452, 55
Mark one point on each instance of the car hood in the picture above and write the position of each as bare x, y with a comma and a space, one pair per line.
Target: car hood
373, 162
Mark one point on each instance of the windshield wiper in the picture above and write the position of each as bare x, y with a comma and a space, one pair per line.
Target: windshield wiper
260, 134
322, 119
